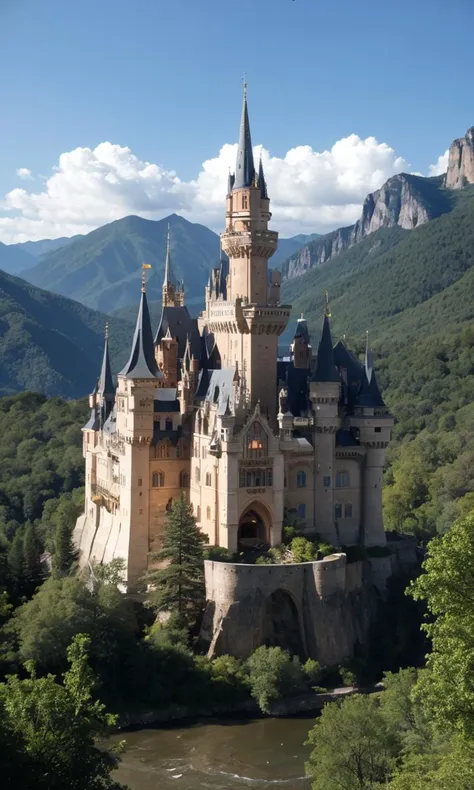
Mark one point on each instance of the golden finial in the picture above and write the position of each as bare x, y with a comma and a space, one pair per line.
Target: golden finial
106, 330
327, 312
144, 267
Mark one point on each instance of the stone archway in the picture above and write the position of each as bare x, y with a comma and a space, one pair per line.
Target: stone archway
254, 527
282, 621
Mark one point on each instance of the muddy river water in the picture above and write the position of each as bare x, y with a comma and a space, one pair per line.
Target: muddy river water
224, 755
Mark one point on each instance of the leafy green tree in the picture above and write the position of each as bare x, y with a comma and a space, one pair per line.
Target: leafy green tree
303, 550
51, 728
446, 687
32, 550
353, 748
177, 585
273, 674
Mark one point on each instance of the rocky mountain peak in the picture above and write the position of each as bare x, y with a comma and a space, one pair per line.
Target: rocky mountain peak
461, 161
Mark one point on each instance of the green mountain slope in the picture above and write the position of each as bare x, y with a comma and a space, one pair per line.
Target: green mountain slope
288, 247
14, 259
38, 248
51, 344
103, 269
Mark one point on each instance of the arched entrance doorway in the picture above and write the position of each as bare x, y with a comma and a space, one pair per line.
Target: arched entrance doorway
282, 623
254, 528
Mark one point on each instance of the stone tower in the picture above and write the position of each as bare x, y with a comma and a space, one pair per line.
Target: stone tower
248, 321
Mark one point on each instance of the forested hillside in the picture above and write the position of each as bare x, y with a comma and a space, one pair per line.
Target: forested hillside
414, 292
51, 344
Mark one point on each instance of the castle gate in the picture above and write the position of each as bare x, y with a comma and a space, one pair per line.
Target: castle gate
254, 527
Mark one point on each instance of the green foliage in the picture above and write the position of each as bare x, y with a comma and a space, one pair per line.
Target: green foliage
312, 670
177, 587
32, 570
273, 674
352, 746
446, 687
288, 533
65, 554
348, 677
49, 729
303, 550
219, 554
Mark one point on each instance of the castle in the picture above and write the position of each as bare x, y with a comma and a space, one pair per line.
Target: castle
208, 408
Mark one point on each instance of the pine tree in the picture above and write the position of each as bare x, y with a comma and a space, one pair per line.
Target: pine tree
32, 571
16, 566
65, 554
177, 587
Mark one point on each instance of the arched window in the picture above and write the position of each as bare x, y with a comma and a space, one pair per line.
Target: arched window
169, 424
163, 450
183, 479
256, 441
342, 479
208, 513
301, 479
169, 505
198, 513
197, 474
208, 478
158, 480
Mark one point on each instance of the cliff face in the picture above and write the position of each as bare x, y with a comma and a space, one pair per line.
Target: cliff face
404, 200
461, 162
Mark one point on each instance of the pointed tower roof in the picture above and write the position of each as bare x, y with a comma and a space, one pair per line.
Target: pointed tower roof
244, 168
142, 364
369, 394
261, 183
325, 365
369, 362
167, 278
302, 329
105, 384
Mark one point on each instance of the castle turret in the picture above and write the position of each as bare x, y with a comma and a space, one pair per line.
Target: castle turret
300, 348
105, 384
373, 423
324, 394
252, 310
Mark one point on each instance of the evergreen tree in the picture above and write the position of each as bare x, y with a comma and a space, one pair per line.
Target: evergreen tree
32, 571
16, 566
65, 554
177, 586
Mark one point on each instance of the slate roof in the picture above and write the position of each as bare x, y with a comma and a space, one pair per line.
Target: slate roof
165, 400
181, 326
142, 363
325, 364
244, 168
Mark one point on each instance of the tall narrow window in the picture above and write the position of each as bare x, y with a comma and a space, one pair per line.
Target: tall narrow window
183, 479
169, 424
301, 479
347, 511
302, 511
208, 478
208, 513
198, 513
337, 511
197, 474
342, 479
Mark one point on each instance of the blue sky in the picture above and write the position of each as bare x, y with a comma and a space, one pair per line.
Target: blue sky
164, 79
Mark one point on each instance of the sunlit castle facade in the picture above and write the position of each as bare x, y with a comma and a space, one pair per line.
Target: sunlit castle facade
208, 409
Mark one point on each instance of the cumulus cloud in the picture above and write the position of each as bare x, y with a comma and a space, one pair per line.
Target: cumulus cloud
309, 190
440, 166
24, 173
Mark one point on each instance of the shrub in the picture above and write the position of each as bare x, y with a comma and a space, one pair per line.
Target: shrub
312, 670
303, 550
273, 674
289, 532
348, 677
326, 549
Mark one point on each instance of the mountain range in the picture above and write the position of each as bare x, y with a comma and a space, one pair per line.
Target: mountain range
101, 268
406, 201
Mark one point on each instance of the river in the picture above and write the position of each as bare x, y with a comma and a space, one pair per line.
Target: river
224, 755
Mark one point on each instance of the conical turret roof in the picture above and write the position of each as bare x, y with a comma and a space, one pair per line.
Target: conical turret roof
244, 168
105, 384
142, 363
325, 365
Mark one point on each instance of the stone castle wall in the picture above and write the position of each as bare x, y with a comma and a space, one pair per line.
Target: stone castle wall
319, 609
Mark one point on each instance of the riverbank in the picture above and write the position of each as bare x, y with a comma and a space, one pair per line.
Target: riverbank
283, 708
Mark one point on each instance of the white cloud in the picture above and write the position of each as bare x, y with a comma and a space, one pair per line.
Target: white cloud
309, 190
440, 166
24, 173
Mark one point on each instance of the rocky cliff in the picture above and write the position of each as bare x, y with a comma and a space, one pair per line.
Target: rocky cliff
461, 162
404, 200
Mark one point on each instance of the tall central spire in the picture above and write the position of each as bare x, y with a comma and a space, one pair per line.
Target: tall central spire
244, 168
167, 278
